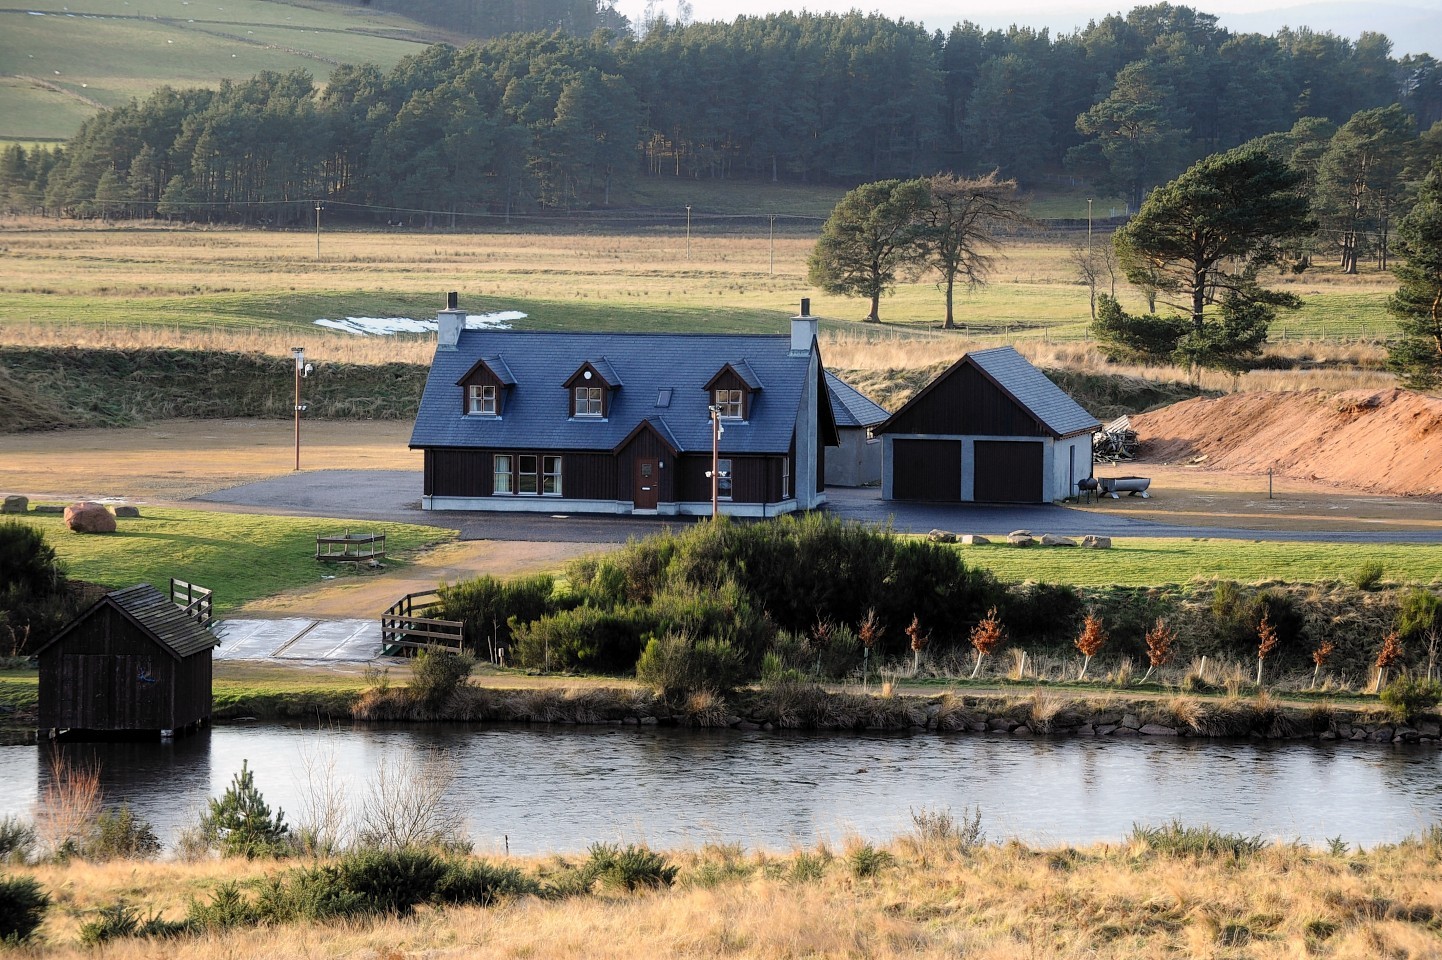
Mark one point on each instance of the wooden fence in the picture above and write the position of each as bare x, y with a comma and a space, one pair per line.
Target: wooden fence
351, 548
405, 626
194, 601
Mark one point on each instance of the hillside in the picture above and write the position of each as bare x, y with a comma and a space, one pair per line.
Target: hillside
1387, 441
62, 61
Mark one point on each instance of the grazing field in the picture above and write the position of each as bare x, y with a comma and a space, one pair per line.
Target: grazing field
1144, 562
131, 49
266, 280
240, 556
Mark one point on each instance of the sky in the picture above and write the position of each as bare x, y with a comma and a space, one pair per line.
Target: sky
1414, 26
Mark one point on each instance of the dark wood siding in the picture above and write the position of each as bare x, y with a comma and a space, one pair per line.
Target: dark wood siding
926, 470
1008, 471
585, 475
728, 380
107, 674
964, 402
750, 478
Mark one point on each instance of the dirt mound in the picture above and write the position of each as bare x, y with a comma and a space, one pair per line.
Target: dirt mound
1387, 441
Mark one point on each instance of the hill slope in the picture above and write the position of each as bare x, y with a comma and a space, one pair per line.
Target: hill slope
1387, 441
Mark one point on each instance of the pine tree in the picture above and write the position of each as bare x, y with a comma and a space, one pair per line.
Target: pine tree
1416, 356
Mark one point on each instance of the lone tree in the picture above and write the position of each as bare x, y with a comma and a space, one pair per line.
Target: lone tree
869, 240
957, 232
986, 636
1090, 641
1267, 640
1202, 240
1416, 356
1159, 647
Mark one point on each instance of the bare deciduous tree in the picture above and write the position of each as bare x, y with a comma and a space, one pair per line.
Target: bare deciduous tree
406, 805
959, 229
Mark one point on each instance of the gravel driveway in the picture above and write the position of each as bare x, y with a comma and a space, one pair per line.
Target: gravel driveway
395, 495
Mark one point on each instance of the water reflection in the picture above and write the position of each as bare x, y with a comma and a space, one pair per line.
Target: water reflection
540, 789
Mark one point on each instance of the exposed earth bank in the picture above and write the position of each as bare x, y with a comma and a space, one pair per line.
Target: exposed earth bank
1380, 441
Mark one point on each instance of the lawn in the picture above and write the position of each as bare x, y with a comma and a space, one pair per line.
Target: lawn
1152, 562
241, 556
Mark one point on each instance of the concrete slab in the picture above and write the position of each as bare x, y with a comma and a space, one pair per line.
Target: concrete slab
295, 638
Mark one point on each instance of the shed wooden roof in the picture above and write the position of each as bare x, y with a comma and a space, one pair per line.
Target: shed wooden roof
155, 614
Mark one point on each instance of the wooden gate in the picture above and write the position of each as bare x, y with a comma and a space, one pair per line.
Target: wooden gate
194, 601
406, 628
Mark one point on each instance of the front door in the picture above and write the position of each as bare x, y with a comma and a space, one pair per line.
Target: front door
647, 489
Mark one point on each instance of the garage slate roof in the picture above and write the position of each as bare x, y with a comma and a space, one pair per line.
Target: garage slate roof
536, 411
850, 406
1050, 404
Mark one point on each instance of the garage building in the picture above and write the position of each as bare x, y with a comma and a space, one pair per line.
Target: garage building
991, 428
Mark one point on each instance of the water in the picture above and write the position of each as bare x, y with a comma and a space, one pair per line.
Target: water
541, 789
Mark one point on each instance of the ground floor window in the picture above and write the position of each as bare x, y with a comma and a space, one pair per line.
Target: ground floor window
551, 476
503, 473
785, 477
723, 479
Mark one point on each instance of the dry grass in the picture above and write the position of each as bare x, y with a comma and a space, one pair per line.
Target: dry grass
997, 902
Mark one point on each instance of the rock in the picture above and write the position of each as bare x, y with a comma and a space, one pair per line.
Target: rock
1429, 728
941, 536
768, 726
126, 510
89, 517
1019, 533
1096, 543
973, 540
1109, 718
1085, 730
975, 726
1020, 540
1156, 730
1002, 724
1130, 720
1106, 729
15, 504
1382, 735
48, 508
1124, 732
1327, 735
1358, 734
1052, 540
746, 725
649, 721
1022, 731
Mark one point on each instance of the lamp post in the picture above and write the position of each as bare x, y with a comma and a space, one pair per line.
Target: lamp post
773, 245
1089, 229
715, 460
688, 231
299, 354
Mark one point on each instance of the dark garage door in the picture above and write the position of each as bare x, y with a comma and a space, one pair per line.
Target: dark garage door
1008, 471
926, 470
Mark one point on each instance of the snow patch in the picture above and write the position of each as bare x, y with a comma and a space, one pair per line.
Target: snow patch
388, 326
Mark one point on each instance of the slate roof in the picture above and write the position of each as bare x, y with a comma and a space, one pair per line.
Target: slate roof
1050, 404
851, 407
535, 411
154, 613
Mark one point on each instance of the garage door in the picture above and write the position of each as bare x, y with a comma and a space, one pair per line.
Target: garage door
926, 470
1008, 471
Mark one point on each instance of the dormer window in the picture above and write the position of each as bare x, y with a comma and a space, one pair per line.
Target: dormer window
588, 402
729, 404
483, 399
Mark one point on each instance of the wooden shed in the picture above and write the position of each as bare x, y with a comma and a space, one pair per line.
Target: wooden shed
133, 662
991, 428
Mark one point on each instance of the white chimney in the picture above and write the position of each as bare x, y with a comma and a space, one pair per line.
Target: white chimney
803, 329
449, 324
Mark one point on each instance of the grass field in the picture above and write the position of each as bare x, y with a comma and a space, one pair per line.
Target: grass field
131, 49
1151, 562
241, 557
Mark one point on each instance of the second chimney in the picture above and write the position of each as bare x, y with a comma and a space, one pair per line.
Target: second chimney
803, 329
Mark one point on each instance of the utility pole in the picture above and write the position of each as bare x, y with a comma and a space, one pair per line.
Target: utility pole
1089, 229
319, 206
773, 244
299, 354
688, 231
715, 460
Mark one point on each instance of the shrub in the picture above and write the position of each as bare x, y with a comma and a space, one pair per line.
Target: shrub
486, 605
1176, 840
391, 881
1419, 612
1043, 613
22, 908
33, 601
867, 861
437, 674
1368, 575
310, 894
629, 869
120, 920
1409, 697
675, 665
239, 822
940, 830
17, 840
120, 835
481, 884
585, 638
227, 908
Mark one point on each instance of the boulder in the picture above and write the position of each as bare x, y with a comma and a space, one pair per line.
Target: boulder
125, 510
1020, 540
973, 540
15, 504
1020, 533
941, 536
1156, 730
88, 517
1096, 543
1052, 540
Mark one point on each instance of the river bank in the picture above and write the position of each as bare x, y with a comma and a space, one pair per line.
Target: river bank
938, 890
